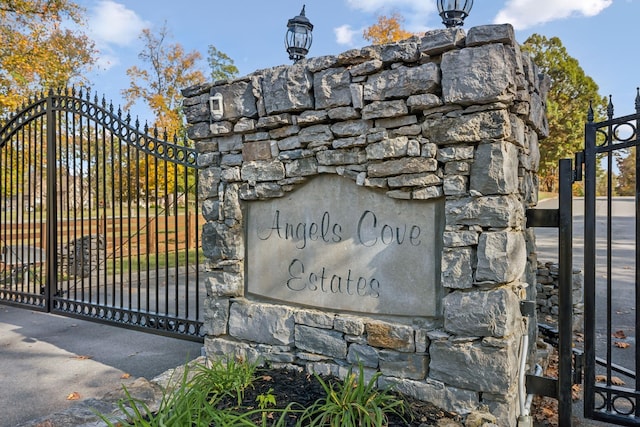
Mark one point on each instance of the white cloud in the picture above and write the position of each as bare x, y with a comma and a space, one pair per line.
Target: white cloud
113, 27
527, 13
345, 35
112, 23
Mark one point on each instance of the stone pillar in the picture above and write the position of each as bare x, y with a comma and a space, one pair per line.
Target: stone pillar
450, 117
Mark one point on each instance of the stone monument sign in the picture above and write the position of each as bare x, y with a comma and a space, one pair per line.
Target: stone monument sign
333, 245
369, 207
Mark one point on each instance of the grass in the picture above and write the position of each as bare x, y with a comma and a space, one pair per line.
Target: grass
197, 399
153, 261
542, 195
190, 400
134, 264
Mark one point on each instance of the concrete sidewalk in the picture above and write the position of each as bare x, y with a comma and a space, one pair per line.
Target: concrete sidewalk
45, 358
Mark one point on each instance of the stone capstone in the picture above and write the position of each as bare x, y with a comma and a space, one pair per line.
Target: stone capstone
403, 51
477, 75
287, 89
435, 42
485, 34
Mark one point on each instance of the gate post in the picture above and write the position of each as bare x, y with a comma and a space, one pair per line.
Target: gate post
52, 205
590, 153
565, 296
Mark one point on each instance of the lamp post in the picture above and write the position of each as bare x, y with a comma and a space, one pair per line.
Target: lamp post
453, 12
298, 38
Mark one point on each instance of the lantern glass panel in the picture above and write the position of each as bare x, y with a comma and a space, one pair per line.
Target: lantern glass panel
298, 37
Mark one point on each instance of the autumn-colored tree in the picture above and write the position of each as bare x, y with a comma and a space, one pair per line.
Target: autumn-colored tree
567, 104
388, 29
38, 51
222, 66
166, 70
626, 185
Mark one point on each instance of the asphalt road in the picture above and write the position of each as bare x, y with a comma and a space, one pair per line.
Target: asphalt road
45, 358
623, 267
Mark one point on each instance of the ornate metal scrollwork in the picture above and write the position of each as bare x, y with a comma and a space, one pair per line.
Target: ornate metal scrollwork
114, 121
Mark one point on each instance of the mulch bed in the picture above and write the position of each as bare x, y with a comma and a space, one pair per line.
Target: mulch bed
293, 386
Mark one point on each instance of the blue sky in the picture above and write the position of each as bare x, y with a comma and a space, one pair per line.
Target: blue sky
601, 34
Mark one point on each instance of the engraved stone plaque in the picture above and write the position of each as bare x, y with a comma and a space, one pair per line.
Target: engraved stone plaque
334, 245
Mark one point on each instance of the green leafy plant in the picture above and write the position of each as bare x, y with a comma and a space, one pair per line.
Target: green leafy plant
353, 403
192, 401
266, 400
205, 396
224, 377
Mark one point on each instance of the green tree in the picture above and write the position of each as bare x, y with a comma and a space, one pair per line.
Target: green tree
388, 29
222, 67
567, 104
37, 51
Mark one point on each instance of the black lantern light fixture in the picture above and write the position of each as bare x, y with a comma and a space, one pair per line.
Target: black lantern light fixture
453, 12
298, 39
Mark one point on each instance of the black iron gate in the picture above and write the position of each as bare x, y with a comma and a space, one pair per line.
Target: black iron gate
562, 218
612, 289
99, 217
607, 361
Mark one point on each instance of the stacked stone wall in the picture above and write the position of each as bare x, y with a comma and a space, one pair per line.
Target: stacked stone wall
451, 116
547, 294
